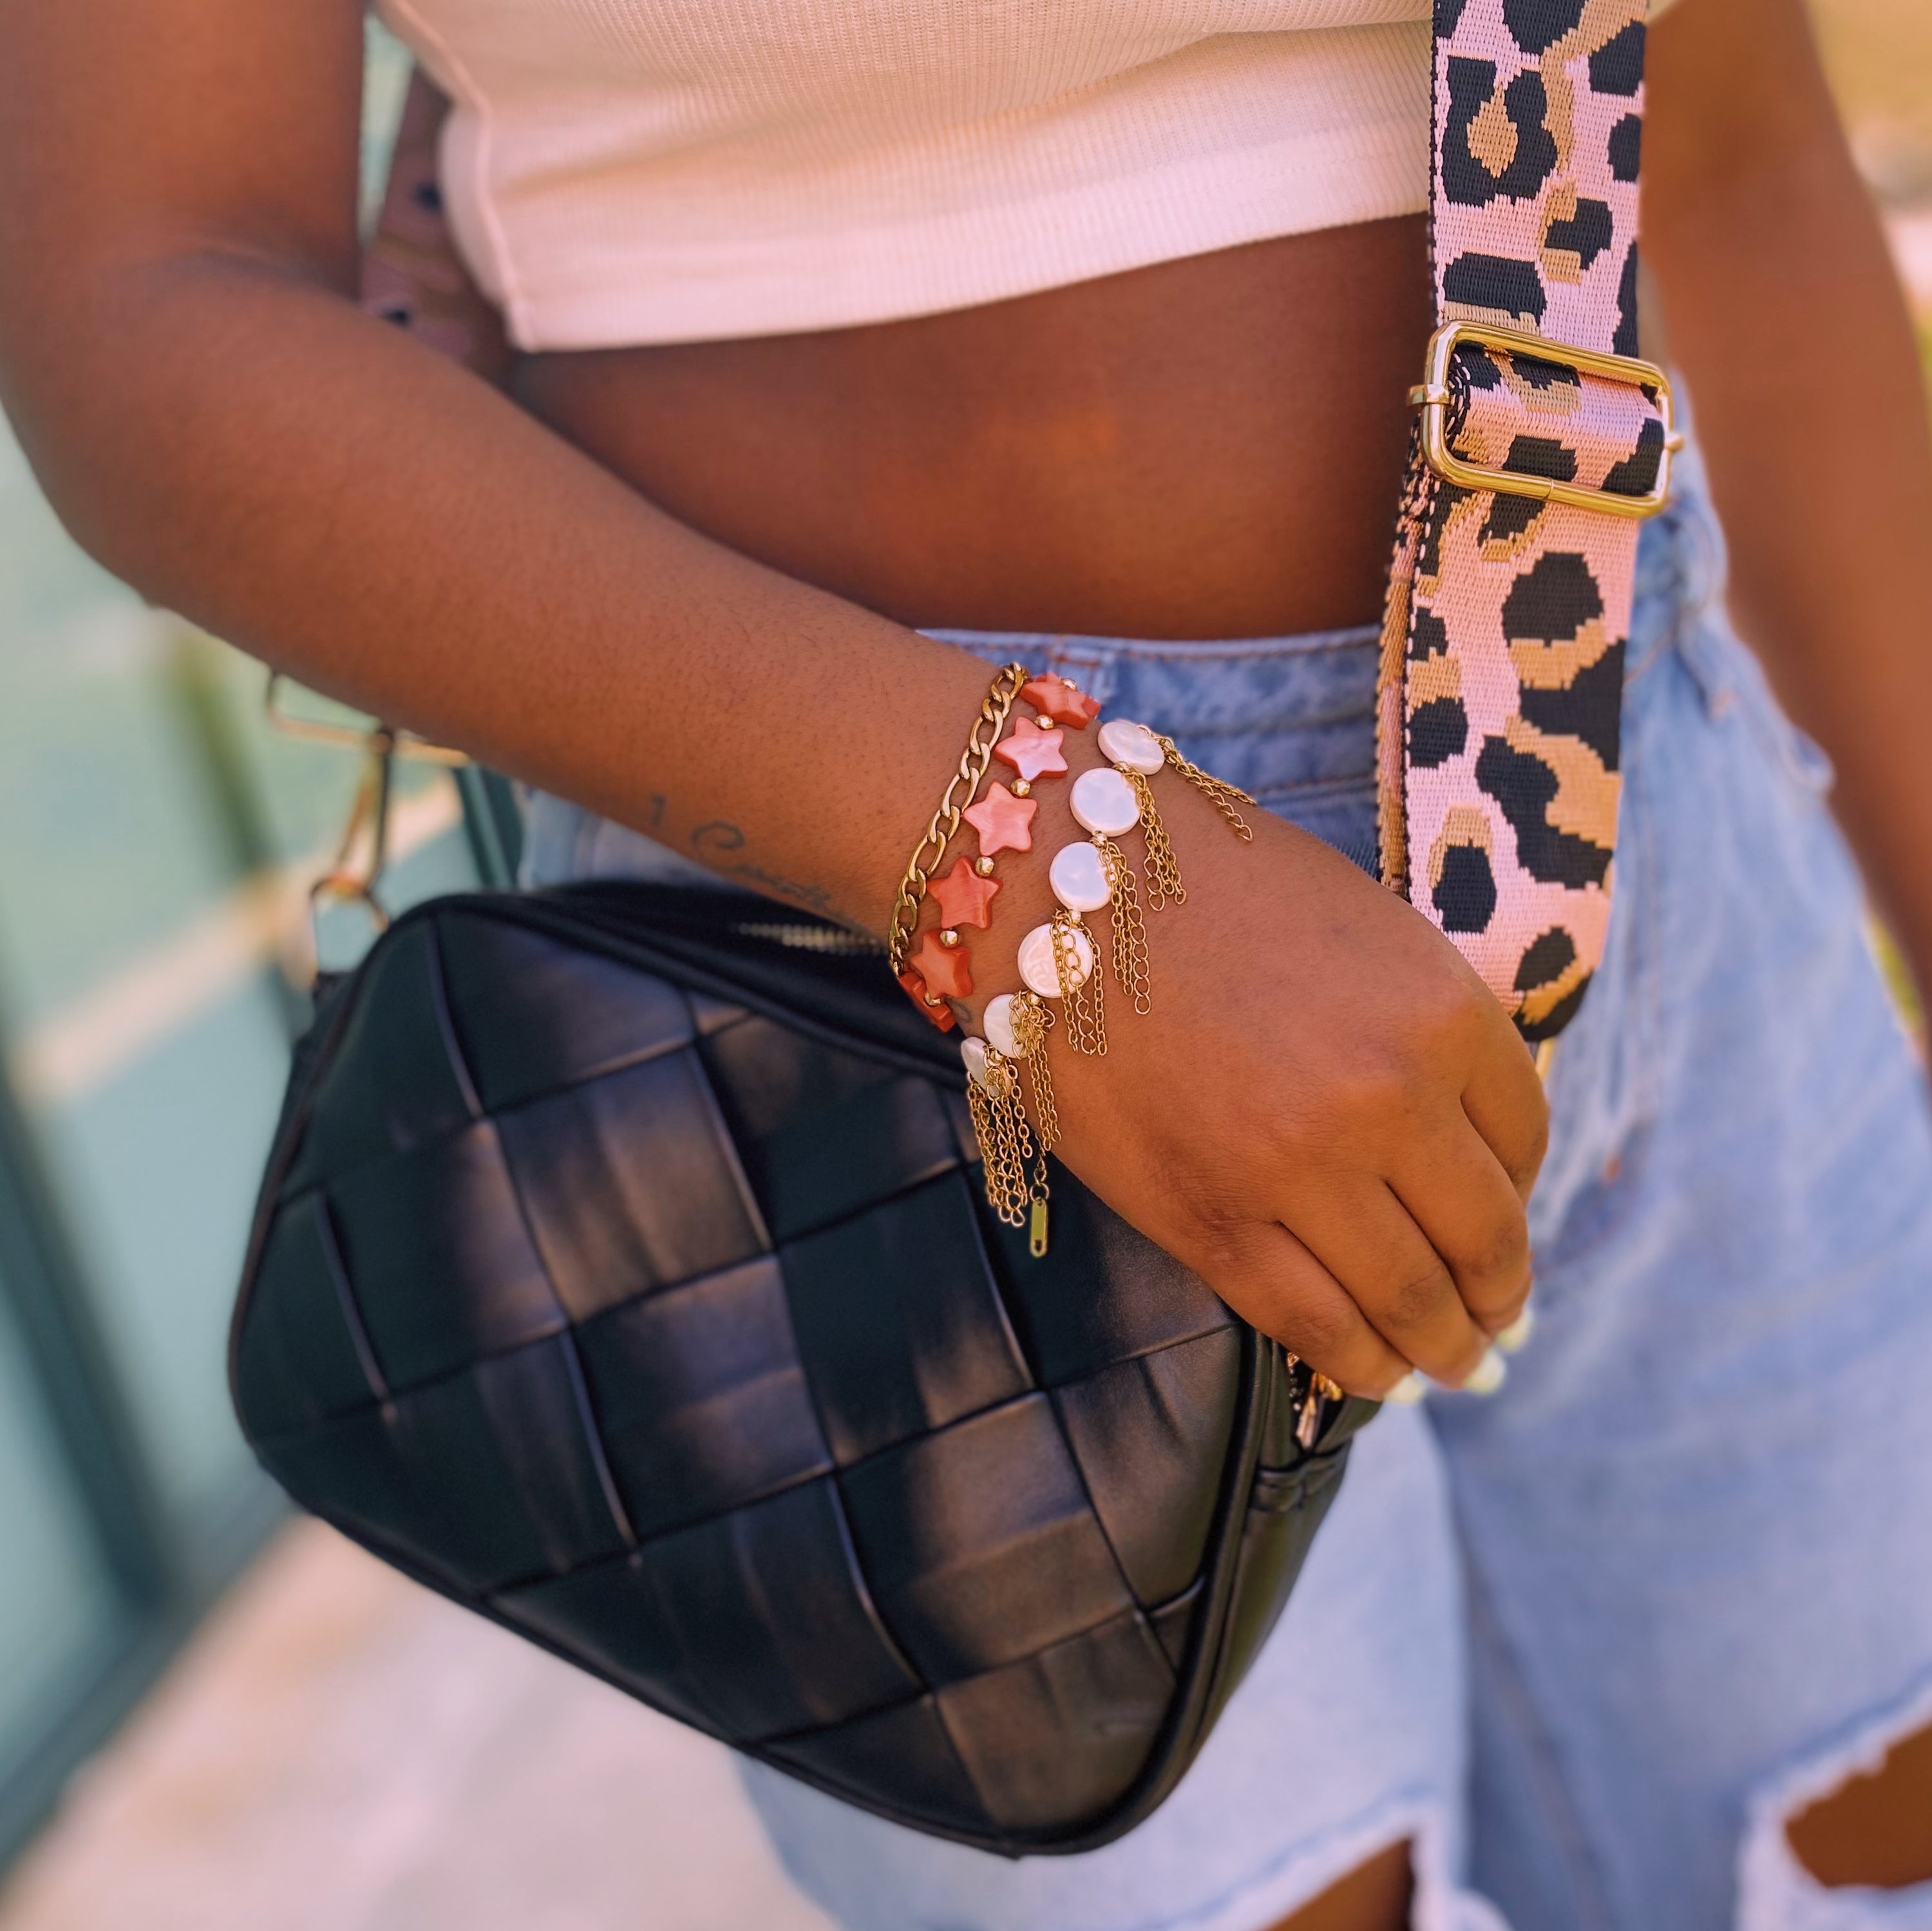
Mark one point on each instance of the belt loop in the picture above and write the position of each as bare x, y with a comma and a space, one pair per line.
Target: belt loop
1701, 626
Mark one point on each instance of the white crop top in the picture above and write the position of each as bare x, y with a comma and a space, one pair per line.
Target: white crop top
634, 171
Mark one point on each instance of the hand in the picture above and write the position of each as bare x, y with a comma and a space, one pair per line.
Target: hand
1326, 1114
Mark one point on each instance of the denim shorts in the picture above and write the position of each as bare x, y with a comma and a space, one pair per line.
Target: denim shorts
1586, 1644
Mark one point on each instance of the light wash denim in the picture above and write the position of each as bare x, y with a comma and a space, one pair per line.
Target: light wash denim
1587, 1643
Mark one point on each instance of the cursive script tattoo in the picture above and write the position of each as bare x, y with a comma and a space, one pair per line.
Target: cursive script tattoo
716, 840
716, 837
813, 898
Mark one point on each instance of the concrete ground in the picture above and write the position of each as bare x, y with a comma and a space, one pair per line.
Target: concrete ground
339, 1750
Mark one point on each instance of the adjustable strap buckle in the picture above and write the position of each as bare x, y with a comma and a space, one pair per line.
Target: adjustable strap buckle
1432, 397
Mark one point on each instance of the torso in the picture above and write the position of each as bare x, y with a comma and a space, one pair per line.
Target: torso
1209, 448
1095, 317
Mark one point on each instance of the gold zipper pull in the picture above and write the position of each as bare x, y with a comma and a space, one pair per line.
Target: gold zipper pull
1309, 1424
1321, 1392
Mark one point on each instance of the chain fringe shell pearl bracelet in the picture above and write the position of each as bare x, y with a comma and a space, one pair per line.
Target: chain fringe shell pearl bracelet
1059, 960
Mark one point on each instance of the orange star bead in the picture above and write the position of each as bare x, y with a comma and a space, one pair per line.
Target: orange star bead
1065, 703
1032, 752
1003, 822
941, 1015
943, 967
963, 897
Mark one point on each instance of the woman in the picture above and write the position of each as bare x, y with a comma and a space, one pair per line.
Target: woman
1094, 323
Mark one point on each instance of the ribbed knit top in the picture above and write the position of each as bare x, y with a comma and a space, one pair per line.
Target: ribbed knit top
637, 171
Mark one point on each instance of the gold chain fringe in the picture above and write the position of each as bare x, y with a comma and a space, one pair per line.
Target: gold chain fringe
1032, 1022
1163, 868
1006, 1142
1225, 797
1014, 1152
1130, 949
1086, 1004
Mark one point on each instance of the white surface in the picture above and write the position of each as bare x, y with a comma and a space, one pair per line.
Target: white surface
998, 1022
342, 1751
1079, 879
628, 170
1123, 742
1104, 801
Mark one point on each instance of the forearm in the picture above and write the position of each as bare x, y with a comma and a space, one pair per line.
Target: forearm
243, 445
1786, 317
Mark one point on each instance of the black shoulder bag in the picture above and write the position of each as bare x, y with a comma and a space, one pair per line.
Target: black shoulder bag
623, 1271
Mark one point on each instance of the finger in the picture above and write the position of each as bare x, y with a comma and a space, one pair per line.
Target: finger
1272, 1281
1468, 1210
1366, 1238
1503, 1101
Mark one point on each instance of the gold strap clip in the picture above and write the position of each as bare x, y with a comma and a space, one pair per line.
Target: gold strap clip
362, 853
1432, 396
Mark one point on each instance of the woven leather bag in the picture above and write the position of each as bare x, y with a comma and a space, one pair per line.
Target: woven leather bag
622, 1272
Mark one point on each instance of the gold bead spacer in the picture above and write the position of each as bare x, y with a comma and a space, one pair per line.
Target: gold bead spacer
984, 867
1021, 788
948, 938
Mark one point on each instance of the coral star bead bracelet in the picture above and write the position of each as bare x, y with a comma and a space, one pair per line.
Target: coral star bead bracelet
930, 849
940, 969
1059, 961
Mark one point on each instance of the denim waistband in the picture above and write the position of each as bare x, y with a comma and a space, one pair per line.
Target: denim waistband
1290, 720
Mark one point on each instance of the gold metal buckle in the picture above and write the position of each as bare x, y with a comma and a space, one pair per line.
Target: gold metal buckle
313, 730
362, 855
1432, 399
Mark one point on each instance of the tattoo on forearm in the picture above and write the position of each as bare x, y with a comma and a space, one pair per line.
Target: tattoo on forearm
813, 898
718, 839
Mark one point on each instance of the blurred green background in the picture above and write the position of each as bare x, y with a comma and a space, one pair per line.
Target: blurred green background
158, 838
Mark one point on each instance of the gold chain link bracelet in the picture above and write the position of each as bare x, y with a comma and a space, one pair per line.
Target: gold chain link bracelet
973, 762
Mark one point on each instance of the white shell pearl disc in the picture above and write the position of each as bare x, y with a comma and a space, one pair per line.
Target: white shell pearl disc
973, 1052
998, 1022
1079, 879
1103, 802
1123, 742
1041, 970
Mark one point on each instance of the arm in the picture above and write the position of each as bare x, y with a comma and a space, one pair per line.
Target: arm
1329, 1118
216, 421
1786, 318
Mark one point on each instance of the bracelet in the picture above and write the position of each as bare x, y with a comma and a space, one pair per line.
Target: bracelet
940, 971
1014, 1157
1061, 961
945, 823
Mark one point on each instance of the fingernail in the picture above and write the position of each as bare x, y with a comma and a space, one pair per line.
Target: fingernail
1407, 1392
1512, 1338
1492, 1371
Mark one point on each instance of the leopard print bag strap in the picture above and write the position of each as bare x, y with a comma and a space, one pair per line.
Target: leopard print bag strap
1541, 442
